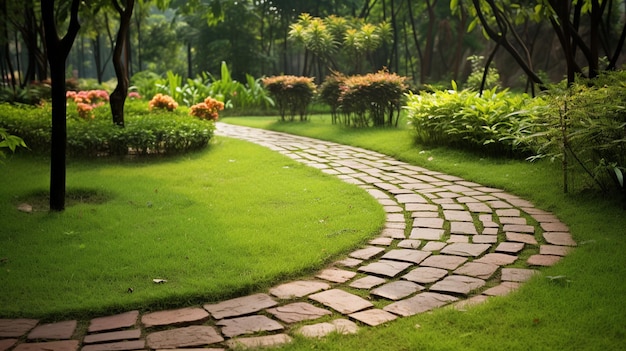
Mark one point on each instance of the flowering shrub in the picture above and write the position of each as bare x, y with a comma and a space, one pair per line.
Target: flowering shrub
291, 93
133, 95
164, 102
373, 98
208, 109
87, 100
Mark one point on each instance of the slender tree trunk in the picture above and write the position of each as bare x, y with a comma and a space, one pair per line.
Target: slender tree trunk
415, 39
118, 96
58, 48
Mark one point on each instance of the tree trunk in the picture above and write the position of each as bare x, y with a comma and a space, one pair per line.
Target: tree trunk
58, 49
118, 96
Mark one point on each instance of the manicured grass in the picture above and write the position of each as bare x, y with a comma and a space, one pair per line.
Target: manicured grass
232, 219
584, 311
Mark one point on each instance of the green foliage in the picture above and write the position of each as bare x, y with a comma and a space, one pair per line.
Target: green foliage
235, 95
330, 93
292, 94
475, 79
494, 123
145, 133
588, 122
9, 141
373, 98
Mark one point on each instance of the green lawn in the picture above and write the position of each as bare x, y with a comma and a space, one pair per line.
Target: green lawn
585, 311
232, 219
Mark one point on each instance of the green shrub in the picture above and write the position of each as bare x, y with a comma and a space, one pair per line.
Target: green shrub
291, 94
373, 98
588, 123
145, 133
475, 79
330, 93
494, 123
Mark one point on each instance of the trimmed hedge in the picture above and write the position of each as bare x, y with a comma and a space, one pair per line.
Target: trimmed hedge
292, 94
145, 133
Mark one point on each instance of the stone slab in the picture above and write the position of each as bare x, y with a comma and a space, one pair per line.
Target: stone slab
385, 268
349, 262
425, 275
341, 301
409, 244
256, 342
466, 228
373, 317
419, 303
435, 223
59, 331
554, 227
297, 289
522, 238
336, 275
461, 216
367, 282
6, 344
458, 239
554, 250
517, 274
519, 228
319, 330
195, 335
510, 247
64, 345
381, 241
397, 290
240, 306
502, 289
543, 260
367, 252
477, 269
297, 312
11, 328
478, 207
484, 239
248, 325
118, 321
513, 220
173, 317
499, 259
465, 249
559, 238
117, 346
406, 255
434, 246
426, 233
444, 261
472, 301
395, 233
112, 336
458, 284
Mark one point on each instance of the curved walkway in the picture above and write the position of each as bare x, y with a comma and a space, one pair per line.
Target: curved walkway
446, 241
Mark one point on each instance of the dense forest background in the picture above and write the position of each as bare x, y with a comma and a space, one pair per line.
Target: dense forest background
430, 41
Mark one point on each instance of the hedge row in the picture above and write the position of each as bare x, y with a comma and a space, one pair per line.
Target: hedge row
144, 132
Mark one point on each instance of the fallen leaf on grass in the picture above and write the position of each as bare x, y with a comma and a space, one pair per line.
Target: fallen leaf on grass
159, 281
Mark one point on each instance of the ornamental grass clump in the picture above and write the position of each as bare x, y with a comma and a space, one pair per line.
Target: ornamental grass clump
208, 109
163, 102
291, 94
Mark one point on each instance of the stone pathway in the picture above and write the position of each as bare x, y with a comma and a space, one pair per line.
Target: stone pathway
446, 241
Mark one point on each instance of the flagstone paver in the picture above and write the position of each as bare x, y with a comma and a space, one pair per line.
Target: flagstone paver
240, 306
430, 254
248, 325
341, 301
195, 335
59, 330
298, 312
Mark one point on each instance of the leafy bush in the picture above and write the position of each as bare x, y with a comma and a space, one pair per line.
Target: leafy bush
330, 93
374, 97
475, 79
495, 122
8, 141
163, 102
292, 94
145, 133
587, 123
208, 109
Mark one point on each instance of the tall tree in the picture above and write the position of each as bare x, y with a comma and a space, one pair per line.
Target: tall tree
121, 63
58, 49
